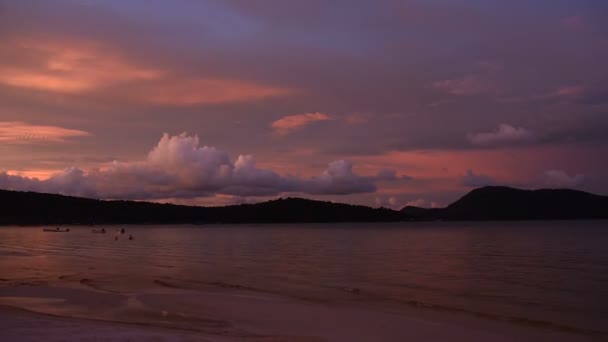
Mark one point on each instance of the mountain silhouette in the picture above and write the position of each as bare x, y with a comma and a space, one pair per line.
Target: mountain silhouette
31, 208
487, 203
504, 203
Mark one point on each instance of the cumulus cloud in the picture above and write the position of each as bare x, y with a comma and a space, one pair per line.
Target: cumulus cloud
290, 123
504, 135
178, 167
471, 179
560, 178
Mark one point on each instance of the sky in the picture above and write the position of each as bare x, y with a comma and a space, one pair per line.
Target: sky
381, 103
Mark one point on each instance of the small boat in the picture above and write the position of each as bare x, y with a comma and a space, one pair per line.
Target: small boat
56, 230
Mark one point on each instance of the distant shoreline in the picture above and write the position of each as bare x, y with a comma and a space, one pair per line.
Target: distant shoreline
421, 222
484, 204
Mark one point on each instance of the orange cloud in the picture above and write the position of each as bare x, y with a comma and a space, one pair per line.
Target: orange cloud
290, 123
70, 67
208, 91
77, 67
17, 132
37, 174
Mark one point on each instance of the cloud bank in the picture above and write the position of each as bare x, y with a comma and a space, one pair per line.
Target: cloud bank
505, 135
560, 178
178, 167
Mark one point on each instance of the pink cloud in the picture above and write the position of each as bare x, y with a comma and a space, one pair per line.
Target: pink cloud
70, 66
483, 81
76, 67
504, 135
17, 132
565, 93
442, 170
207, 91
288, 124
570, 91
573, 21
469, 85
357, 119
490, 66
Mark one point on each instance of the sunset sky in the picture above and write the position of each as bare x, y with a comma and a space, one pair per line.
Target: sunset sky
369, 102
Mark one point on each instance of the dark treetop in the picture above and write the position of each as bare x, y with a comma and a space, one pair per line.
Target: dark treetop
488, 203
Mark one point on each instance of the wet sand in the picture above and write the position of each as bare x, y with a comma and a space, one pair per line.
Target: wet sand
154, 310
215, 285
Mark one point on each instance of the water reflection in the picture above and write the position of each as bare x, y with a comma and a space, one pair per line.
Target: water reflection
555, 271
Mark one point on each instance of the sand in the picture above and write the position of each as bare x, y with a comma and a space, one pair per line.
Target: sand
89, 310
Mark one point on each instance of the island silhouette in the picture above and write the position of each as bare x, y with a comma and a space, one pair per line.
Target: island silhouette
487, 203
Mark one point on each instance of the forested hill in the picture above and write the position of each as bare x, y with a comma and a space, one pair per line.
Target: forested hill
488, 203
30, 208
504, 203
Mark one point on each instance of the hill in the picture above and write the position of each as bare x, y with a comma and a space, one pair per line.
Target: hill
30, 208
504, 203
488, 203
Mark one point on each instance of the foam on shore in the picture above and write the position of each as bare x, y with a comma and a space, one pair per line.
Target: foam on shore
163, 312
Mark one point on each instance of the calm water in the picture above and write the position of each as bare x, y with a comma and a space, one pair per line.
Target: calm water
551, 272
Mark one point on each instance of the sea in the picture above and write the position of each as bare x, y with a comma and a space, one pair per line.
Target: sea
546, 274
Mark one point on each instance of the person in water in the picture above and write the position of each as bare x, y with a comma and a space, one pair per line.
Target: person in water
103, 230
122, 231
130, 237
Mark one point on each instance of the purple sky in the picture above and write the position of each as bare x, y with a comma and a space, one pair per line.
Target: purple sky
371, 102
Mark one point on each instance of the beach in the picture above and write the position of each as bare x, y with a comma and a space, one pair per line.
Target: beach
49, 313
298, 283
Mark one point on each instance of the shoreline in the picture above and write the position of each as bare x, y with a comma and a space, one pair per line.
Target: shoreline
276, 223
23, 325
225, 284
50, 313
